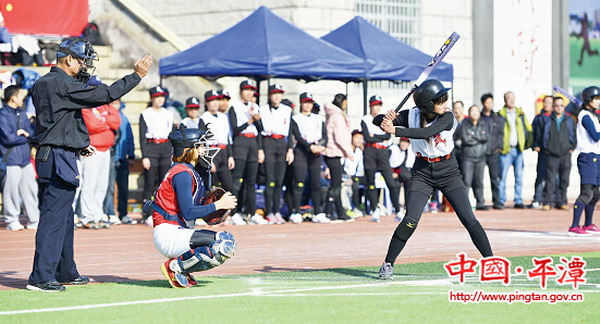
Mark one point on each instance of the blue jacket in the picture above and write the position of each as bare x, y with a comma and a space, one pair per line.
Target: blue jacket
124, 150
558, 142
21, 153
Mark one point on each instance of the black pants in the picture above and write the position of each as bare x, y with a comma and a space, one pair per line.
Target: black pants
540, 178
245, 155
560, 166
275, 152
358, 191
304, 161
378, 160
53, 258
122, 170
493, 164
223, 174
335, 190
160, 162
472, 171
446, 177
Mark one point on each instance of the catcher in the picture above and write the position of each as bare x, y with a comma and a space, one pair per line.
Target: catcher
177, 204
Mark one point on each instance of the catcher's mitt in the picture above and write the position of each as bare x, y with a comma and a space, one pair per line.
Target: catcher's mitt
211, 196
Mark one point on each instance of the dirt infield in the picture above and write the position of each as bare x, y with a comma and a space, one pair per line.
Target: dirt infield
127, 252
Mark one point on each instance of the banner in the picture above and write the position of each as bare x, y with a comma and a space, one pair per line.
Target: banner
56, 17
584, 44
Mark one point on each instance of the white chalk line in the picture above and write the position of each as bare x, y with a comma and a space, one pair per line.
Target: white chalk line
254, 292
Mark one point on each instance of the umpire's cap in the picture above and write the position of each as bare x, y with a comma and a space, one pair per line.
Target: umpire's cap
427, 93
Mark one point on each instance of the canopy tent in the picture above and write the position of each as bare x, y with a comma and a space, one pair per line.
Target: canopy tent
261, 46
385, 57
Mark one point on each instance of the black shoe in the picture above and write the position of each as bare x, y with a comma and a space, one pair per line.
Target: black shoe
519, 206
483, 207
81, 280
50, 286
498, 206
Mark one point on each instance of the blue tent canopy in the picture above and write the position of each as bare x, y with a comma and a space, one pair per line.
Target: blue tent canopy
386, 58
261, 46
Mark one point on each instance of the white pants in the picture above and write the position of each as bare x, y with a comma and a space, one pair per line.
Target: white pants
94, 182
172, 240
20, 186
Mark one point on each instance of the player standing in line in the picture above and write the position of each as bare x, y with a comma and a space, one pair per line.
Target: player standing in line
192, 110
277, 146
588, 163
430, 125
311, 141
176, 206
244, 120
376, 158
225, 97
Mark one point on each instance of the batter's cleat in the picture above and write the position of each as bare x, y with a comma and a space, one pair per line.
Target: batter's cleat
296, 218
386, 272
191, 279
376, 216
177, 280
592, 229
50, 286
578, 231
279, 218
257, 220
237, 219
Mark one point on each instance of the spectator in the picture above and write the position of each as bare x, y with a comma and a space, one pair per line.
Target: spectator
102, 123
4, 34
402, 160
473, 137
538, 126
517, 138
20, 185
356, 171
458, 108
192, 110
124, 158
109, 198
495, 145
225, 97
559, 140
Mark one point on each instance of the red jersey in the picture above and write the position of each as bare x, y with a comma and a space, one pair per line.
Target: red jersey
166, 198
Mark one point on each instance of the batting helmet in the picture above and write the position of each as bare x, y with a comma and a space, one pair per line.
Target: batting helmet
183, 138
427, 93
589, 93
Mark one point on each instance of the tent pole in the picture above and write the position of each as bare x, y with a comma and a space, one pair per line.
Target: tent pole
160, 83
257, 90
346, 89
365, 90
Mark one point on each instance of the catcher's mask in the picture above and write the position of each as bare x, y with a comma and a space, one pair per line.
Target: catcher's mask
183, 138
80, 49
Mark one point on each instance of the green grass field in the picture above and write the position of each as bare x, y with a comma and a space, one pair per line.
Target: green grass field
418, 293
588, 73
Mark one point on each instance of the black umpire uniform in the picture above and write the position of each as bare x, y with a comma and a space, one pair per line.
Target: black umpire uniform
62, 133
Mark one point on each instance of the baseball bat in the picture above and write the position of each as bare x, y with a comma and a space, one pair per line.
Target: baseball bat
569, 96
435, 60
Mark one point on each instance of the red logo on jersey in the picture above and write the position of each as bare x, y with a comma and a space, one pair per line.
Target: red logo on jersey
437, 139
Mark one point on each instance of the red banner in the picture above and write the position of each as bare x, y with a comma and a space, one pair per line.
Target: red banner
44, 17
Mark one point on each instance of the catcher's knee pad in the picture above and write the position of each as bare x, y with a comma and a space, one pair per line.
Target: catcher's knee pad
224, 246
406, 228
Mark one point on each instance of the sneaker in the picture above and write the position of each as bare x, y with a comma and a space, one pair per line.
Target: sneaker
78, 223
386, 272
114, 220
578, 231
321, 218
257, 220
103, 224
32, 226
592, 229
376, 216
271, 219
15, 226
535, 205
50, 286
81, 280
519, 206
149, 221
498, 206
128, 221
400, 216
482, 207
296, 218
433, 207
563, 207
177, 280
279, 218
546, 207
344, 219
91, 225
237, 219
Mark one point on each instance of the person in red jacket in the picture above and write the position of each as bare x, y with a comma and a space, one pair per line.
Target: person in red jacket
102, 123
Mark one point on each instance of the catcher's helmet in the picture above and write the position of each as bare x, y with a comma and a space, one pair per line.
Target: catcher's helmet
589, 93
79, 48
427, 93
183, 138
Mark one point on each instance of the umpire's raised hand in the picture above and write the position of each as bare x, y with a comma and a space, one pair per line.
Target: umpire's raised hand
142, 65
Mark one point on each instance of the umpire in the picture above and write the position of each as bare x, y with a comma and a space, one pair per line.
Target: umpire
61, 136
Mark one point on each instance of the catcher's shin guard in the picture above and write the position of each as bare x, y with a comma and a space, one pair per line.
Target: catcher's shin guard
204, 258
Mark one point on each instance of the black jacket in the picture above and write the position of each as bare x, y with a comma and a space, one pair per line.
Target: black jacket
472, 139
495, 125
559, 142
58, 99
